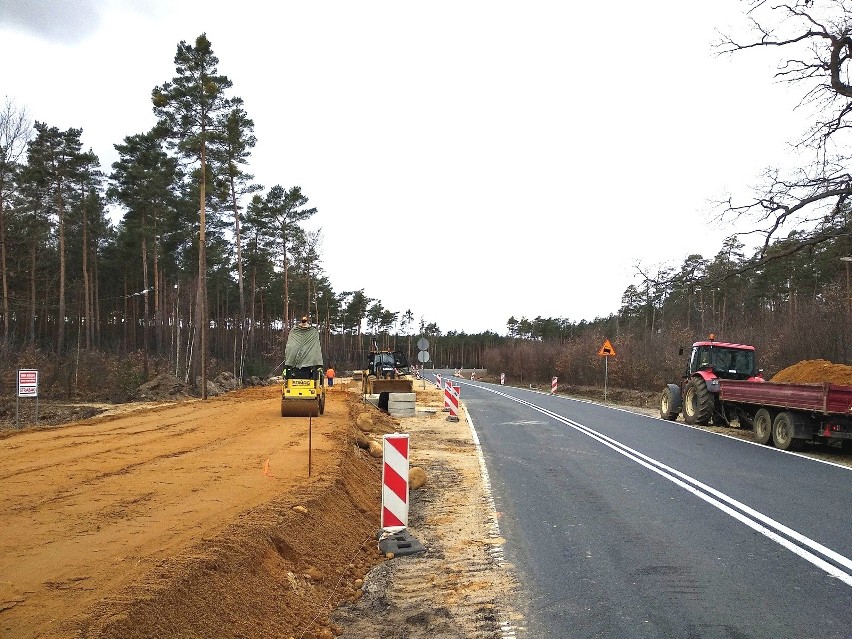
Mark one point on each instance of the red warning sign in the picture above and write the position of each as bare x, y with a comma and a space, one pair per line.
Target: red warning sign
27, 383
607, 350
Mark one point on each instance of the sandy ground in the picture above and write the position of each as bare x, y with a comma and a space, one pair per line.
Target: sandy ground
200, 519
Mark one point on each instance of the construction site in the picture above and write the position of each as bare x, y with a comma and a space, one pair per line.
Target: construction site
180, 517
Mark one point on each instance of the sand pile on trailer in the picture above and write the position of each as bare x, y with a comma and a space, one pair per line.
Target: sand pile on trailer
815, 371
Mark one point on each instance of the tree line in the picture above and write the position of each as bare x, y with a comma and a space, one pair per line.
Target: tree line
206, 270
203, 262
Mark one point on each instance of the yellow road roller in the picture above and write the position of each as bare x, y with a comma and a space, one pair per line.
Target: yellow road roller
303, 386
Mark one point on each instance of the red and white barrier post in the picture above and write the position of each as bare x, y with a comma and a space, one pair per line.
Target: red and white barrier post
553, 386
455, 391
502, 378
394, 482
438, 380
448, 389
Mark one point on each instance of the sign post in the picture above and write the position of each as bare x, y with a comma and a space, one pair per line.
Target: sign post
27, 387
606, 352
423, 355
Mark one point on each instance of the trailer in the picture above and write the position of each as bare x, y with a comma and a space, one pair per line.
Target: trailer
722, 383
789, 414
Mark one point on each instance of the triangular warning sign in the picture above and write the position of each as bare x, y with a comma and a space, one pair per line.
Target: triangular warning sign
607, 350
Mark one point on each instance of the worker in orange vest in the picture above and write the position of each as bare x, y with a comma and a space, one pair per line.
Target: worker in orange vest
329, 375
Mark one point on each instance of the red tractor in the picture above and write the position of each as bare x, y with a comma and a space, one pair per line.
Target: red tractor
698, 393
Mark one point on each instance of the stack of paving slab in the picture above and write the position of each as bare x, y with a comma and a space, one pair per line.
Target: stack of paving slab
401, 404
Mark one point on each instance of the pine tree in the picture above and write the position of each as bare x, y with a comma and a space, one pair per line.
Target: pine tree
188, 108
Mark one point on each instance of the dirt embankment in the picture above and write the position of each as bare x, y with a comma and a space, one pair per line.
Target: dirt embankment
215, 520
195, 520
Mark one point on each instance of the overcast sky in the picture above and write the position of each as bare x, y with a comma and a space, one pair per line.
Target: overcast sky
514, 158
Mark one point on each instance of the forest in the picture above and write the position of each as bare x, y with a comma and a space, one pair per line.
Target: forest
204, 270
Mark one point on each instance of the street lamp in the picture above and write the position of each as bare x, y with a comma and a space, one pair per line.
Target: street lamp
847, 260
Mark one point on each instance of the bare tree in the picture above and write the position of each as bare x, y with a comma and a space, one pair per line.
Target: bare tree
15, 132
816, 37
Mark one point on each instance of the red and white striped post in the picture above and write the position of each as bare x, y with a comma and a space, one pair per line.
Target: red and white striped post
502, 378
455, 391
394, 482
438, 380
448, 390
553, 386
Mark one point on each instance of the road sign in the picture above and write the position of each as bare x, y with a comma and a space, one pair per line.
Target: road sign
395, 468
607, 350
27, 383
27, 387
423, 344
423, 356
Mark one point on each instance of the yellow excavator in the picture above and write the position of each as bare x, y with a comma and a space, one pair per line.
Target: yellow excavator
303, 386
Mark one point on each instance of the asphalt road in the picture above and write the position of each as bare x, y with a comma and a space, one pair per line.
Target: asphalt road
626, 526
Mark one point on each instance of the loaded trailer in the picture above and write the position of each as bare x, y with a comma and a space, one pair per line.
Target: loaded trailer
722, 383
789, 414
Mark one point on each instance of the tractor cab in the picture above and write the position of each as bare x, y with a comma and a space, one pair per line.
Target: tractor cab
722, 360
388, 364
301, 372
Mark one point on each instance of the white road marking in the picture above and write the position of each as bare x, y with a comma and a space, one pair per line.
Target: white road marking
508, 628
804, 547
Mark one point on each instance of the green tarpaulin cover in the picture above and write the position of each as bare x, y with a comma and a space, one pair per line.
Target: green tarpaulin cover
303, 347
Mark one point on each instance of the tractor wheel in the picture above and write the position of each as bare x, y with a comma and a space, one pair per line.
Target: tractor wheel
783, 429
322, 404
667, 404
697, 402
762, 426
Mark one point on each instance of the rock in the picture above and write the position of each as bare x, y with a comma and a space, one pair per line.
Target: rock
364, 422
416, 477
213, 389
226, 381
314, 574
376, 449
362, 441
300, 509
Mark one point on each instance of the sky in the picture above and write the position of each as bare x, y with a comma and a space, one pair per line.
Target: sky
470, 161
